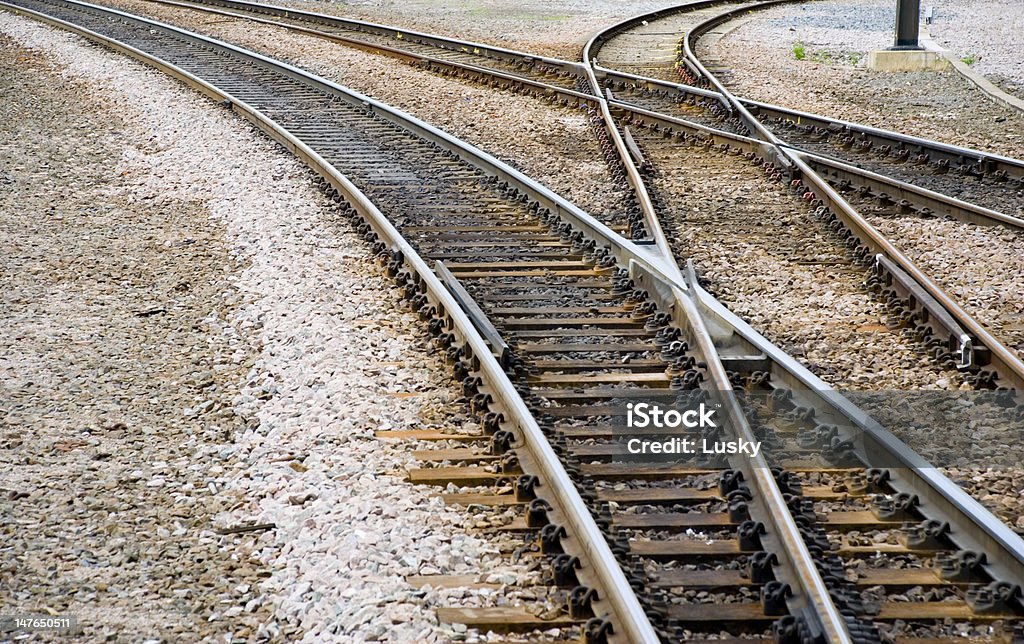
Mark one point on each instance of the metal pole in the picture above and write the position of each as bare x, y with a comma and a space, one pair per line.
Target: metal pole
908, 14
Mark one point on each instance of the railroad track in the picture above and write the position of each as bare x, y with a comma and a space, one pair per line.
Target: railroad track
562, 81
995, 191
993, 184
711, 110
892, 197
538, 306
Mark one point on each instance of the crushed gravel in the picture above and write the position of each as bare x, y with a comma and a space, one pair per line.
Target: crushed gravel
770, 262
982, 269
112, 298
831, 78
987, 32
196, 344
556, 30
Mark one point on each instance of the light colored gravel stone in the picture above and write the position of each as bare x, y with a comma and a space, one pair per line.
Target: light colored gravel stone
552, 29
832, 79
770, 262
310, 353
116, 380
989, 32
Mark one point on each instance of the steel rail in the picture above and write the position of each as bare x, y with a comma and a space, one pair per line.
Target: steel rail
943, 498
811, 599
952, 501
901, 191
962, 506
938, 203
1005, 362
689, 41
633, 178
596, 100
936, 150
629, 615
819, 611
392, 32
952, 153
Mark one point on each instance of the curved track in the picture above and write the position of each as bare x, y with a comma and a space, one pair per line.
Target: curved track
553, 321
993, 184
836, 177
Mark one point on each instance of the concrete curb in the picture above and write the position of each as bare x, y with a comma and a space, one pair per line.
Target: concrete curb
982, 83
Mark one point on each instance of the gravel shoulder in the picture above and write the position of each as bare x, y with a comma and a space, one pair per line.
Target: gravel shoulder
831, 78
112, 292
557, 30
986, 32
190, 342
